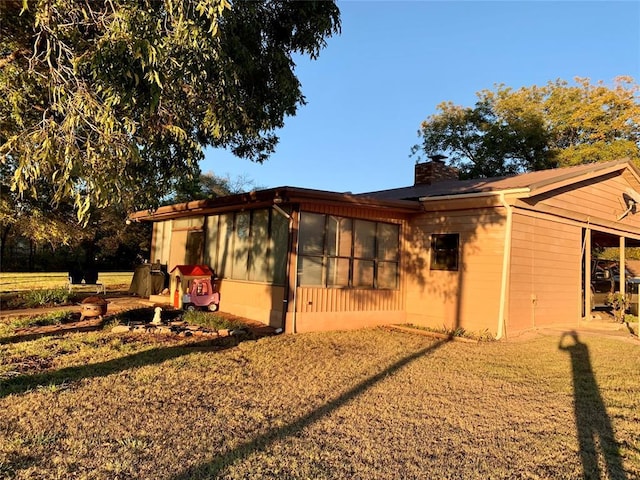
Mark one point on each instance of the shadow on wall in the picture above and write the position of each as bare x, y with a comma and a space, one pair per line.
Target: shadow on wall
596, 437
449, 286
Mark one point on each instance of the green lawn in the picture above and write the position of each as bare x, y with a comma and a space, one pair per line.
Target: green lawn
369, 404
17, 282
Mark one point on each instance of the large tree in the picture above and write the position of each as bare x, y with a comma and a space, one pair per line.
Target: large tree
513, 131
113, 101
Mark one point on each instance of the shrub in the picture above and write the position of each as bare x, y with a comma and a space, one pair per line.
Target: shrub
52, 318
45, 296
210, 320
620, 304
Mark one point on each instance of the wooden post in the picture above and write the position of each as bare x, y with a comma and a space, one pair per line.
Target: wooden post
587, 273
623, 276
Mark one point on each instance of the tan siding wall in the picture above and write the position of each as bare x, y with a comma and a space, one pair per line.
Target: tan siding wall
256, 301
545, 273
316, 299
468, 298
601, 198
325, 321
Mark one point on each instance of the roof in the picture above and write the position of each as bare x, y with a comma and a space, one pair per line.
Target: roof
281, 196
404, 200
193, 270
531, 183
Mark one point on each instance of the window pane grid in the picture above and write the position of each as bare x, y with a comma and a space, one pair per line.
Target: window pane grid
248, 245
355, 253
445, 251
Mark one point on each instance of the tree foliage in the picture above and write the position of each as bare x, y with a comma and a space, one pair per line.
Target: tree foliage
113, 101
209, 185
31, 218
512, 131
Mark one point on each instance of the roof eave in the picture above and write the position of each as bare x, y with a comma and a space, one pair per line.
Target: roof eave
598, 170
263, 198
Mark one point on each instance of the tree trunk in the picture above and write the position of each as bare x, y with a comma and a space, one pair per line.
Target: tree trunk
3, 245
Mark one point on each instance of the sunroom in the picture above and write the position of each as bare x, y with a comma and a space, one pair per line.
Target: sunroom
295, 259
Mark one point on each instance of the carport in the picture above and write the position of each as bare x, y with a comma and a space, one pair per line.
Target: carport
598, 239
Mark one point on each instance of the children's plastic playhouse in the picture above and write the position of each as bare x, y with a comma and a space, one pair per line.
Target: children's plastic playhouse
193, 287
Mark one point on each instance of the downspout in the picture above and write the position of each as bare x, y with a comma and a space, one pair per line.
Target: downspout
506, 267
506, 258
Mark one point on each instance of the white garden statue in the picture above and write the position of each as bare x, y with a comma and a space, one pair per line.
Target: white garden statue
157, 320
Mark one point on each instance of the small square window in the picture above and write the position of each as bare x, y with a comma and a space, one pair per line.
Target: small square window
444, 251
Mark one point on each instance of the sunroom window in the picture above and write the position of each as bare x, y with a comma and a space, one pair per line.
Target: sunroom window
250, 245
337, 251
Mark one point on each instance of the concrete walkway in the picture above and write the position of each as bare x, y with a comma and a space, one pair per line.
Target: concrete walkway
601, 324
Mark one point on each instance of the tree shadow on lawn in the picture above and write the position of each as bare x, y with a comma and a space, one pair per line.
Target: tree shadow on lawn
242, 451
59, 330
25, 383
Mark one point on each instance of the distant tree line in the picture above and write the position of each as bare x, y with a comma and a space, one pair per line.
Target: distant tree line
107, 242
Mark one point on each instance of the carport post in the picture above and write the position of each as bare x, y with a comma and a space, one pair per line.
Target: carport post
623, 279
587, 273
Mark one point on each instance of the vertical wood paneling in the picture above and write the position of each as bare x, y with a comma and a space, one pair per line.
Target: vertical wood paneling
347, 300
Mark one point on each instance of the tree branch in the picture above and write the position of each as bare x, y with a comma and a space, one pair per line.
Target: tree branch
12, 57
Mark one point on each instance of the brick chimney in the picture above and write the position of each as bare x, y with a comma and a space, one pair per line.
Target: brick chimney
434, 171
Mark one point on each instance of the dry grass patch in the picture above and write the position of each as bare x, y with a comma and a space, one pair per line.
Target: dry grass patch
364, 404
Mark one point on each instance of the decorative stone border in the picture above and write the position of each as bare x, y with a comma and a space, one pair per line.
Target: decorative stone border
181, 329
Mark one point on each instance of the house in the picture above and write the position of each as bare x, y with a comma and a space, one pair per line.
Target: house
498, 255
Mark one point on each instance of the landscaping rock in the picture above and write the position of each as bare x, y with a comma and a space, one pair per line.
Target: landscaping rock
120, 329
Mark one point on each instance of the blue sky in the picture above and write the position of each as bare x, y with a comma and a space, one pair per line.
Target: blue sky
395, 61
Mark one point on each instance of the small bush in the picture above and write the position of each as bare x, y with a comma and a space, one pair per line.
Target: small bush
620, 304
52, 318
210, 320
46, 296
